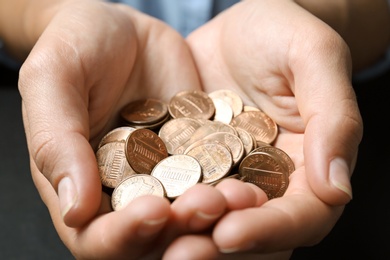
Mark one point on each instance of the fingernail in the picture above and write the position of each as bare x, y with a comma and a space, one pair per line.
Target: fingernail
67, 195
237, 249
201, 219
206, 216
151, 226
339, 176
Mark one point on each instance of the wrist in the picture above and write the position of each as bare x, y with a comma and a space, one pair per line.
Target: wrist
23, 21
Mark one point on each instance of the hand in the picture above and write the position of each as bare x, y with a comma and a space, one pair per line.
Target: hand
296, 69
91, 60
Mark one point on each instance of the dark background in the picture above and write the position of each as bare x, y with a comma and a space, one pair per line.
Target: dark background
26, 230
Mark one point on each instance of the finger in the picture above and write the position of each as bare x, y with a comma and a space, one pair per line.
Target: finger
280, 224
61, 156
202, 247
198, 208
241, 195
128, 233
192, 247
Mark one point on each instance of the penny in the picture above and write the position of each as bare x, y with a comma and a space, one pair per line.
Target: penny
280, 155
177, 132
145, 111
177, 173
215, 160
193, 104
259, 124
153, 126
210, 127
205, 141
230, 97
112, 164
266, 172
133, 187
195, 138
118, 134
223, 111
144, 149
247, 140
234, 143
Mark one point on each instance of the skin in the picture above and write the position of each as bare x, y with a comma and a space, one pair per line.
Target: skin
295, 67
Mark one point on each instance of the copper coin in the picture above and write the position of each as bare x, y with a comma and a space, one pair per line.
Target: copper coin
210, 127
145, 111
154, 126
144, 149
234, 143
112, 164
215, 160
259, 124
177, 132
223, 111
266, 172
278, 154
178, 173
118, 134
206, 141
193, 104
133, 187
230, 97
247, 140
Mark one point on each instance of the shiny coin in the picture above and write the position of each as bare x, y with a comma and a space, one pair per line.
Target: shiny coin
210, 127
112, 164
230, 97
266, 172
214, 158
260, 125
144, 112
278, 154
234, 143
177, 132
118, 134
154, 126
133, 187
223, 111
178, 173
144, 149
247, 140
193, 104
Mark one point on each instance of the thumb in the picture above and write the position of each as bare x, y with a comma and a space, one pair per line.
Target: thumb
56, 124
333, 123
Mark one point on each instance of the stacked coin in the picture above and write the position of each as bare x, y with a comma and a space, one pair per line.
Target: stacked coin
163, 149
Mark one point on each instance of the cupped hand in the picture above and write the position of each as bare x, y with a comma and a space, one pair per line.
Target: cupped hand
294, 67
91, 60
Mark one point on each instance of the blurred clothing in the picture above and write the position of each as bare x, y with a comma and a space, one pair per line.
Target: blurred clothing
186, 16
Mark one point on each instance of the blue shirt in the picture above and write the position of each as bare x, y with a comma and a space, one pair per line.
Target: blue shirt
187, 15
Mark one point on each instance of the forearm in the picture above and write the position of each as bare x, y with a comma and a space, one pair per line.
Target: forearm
364, 25
23, 21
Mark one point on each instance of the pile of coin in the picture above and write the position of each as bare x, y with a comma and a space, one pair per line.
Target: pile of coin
164, 149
